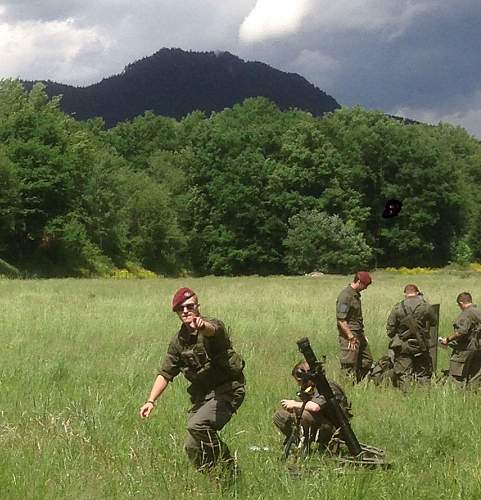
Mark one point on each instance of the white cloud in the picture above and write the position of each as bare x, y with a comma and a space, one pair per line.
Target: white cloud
273, 18
49, 50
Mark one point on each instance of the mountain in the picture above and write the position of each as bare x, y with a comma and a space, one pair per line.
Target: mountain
174, 82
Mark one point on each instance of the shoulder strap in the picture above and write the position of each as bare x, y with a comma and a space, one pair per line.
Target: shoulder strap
413, 327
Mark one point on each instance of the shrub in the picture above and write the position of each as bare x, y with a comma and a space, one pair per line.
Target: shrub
317, 241
461, 252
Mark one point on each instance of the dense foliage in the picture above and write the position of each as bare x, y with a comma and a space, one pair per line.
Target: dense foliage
251, 189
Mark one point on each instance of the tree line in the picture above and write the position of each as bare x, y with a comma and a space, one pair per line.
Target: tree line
251, 189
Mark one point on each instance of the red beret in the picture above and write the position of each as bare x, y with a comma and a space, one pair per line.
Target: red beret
364, 277
181, 295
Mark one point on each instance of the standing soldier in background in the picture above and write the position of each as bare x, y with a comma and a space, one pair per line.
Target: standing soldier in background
203, 352
355, 355
465, 363
408, 328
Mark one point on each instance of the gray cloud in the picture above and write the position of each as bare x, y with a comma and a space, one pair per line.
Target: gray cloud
467, 114
421, 58
15, 11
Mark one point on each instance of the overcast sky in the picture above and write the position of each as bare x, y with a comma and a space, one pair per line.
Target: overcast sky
416, 58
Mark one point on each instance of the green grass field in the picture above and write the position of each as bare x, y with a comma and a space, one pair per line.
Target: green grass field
78, 357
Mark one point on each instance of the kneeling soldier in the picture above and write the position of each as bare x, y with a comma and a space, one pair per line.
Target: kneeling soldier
317, 423
203, 352
465, 363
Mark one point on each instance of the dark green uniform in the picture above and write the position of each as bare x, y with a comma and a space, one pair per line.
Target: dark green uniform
319, 426
217, 388
465, 360
412, 360
348, 308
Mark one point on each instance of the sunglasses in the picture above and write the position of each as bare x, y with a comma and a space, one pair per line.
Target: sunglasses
189, 307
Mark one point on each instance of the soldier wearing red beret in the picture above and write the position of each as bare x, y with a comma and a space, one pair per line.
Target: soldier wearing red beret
203, 352
355, 355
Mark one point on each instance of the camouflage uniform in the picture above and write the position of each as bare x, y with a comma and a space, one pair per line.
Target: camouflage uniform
465, 360
356, 361
412, 361
319, 426
217, 388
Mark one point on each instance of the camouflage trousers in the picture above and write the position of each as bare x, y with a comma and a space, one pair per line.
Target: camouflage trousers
203, 444
356, 362
316, 427
410, 368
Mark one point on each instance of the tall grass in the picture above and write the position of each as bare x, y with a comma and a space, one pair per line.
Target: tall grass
77, 358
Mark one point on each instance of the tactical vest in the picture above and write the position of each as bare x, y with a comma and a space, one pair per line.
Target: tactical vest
202, 367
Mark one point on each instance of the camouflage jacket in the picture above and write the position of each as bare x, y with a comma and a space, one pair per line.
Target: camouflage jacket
468, 325
422, 312
340, 396
348, 308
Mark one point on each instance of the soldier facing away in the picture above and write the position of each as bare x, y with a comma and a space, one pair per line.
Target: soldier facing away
355, 355
316, 420
408, 328
203, 352
465, 362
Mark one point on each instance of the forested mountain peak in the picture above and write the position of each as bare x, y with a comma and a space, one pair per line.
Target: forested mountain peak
174, 82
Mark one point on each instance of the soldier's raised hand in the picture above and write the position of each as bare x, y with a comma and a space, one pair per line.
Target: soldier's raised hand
197, 323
